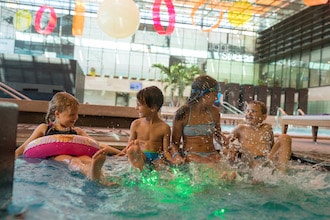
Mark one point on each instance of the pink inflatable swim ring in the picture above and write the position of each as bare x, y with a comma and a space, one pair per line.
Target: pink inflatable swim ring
59, 144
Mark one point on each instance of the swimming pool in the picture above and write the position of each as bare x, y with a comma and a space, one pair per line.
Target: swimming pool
44, 189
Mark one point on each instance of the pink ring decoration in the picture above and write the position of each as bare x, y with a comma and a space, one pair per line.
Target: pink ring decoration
60, 144
156, 17
195, 8
51, 23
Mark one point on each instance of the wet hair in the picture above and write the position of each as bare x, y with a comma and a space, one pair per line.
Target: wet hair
262, 105
202, 85
151, 96
60, 102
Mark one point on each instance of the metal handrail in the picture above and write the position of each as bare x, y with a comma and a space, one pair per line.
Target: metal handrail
231, 108
279, 110
300, 112
13, 92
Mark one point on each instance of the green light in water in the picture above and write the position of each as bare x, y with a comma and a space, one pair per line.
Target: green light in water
219, 213
150, 178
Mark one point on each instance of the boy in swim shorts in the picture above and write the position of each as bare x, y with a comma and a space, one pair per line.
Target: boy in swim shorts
149, 135
257, 139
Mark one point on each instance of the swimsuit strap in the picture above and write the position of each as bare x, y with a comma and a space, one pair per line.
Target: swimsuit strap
210, 114
188, 122
49, 127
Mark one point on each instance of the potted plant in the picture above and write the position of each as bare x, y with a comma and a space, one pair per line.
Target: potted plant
177, 77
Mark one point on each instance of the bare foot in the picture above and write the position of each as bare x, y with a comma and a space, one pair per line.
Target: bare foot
96, 164
134, 154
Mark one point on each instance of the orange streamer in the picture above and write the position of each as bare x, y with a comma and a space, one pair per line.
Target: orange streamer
193, 12
78, 19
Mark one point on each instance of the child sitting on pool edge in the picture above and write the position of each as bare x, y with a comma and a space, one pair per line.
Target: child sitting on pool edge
149, 139
256, 139
60, 119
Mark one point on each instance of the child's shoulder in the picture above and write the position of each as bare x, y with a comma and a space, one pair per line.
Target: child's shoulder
42, 126
266, 126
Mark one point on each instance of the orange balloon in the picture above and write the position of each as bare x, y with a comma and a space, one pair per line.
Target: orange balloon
240, 13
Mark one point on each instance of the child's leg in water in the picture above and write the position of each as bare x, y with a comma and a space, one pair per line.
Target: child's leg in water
90, 167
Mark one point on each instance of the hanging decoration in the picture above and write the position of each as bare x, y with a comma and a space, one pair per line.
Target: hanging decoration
22, 20
118, 18
78, 19
51, 22
193, 12
156, 17
240, 13
315, 2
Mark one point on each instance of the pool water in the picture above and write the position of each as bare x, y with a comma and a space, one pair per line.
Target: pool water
45, 189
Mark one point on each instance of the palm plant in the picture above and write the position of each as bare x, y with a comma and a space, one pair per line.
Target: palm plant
177, 77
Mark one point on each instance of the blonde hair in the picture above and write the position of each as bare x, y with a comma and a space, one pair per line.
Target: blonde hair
60, 102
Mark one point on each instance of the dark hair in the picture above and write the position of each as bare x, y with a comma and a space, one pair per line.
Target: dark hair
61, 101
151, 96
202, 85
262, 105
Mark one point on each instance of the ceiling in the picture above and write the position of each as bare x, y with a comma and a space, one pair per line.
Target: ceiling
242, 15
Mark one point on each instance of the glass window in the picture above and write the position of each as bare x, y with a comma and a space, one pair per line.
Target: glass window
295, 72
278, 78
325, 67
304, 69
314, 66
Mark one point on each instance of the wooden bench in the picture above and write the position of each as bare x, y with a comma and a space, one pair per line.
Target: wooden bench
315, 121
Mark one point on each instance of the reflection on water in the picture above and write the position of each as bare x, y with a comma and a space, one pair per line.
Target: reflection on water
44, 189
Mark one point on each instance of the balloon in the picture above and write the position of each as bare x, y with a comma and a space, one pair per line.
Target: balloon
240, 13
22, 20
118, 18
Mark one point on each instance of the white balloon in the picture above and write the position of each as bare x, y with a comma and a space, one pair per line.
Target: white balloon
118, 18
